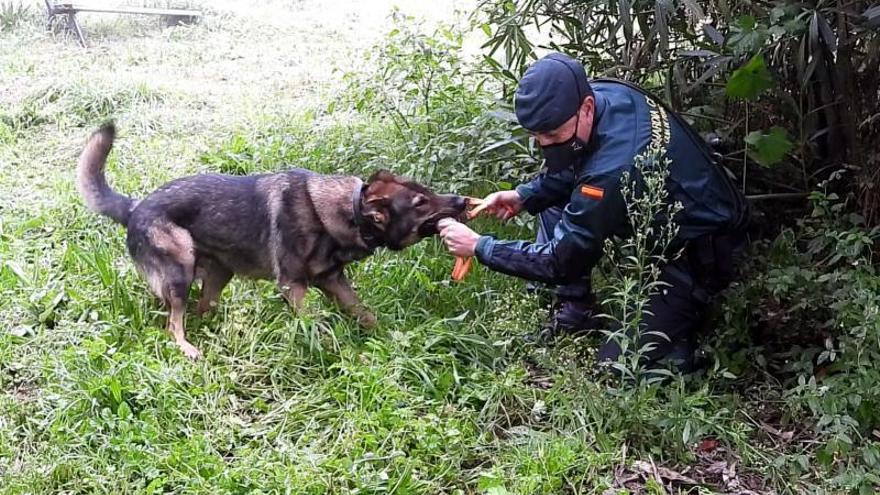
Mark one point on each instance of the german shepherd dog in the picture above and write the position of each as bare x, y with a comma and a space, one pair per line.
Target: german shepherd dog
298, 228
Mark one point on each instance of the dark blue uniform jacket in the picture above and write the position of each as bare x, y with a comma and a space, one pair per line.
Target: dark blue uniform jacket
626, 123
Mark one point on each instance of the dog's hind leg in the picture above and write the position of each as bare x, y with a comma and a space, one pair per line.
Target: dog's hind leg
177, 330
339, 288
214, 279
169, 260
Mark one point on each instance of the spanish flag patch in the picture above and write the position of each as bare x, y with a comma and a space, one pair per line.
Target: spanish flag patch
592, 192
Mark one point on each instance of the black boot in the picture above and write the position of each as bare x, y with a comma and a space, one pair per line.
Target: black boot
568, 317
574, 317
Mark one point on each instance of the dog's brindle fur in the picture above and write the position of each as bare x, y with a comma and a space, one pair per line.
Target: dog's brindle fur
297, 227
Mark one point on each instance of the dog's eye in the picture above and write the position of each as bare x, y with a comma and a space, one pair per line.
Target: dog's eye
419, 200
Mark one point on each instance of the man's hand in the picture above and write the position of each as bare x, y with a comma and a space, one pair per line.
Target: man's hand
459, 239
503, 204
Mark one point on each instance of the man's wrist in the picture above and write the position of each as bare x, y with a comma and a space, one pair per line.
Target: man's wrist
483, 249
523, 192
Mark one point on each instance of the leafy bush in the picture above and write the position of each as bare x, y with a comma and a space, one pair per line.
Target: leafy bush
794, 72
808, 313
456, 132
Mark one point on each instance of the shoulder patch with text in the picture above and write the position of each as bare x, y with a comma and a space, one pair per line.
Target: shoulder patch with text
660, 132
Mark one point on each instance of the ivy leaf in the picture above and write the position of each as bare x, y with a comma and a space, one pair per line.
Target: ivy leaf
750, 80
768, 148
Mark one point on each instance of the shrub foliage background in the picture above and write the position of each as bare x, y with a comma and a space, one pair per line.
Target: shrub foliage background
789, 84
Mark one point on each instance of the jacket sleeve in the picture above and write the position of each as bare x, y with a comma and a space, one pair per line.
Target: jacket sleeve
546, 190
595, 211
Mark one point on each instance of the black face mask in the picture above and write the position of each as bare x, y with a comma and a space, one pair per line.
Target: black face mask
562, 155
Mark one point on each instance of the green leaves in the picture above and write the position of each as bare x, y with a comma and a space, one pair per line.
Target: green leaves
768, 148
748, 36
747, 83
750, 80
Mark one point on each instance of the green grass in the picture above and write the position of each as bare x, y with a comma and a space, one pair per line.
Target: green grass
445, 396
100, 398
96, 399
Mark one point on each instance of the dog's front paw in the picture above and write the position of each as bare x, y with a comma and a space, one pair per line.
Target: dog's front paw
189, 350
367, 319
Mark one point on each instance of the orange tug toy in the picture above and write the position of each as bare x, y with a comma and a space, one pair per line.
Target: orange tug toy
463, 263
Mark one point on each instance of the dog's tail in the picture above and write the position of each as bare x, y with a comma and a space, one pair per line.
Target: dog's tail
90, 178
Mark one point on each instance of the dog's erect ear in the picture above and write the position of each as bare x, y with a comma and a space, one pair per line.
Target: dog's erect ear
382, 176
377, 197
